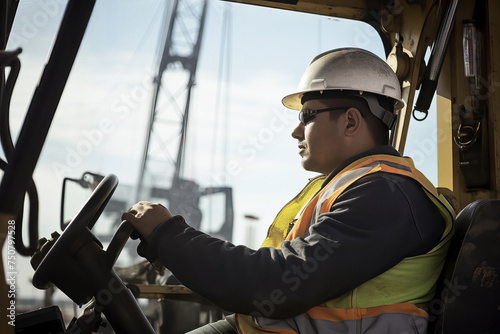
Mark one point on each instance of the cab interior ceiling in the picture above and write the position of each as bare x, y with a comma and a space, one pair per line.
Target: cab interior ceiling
369, 11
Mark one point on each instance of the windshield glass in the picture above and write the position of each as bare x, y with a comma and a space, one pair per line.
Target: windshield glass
237, 134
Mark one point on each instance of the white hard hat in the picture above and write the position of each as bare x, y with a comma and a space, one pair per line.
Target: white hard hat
355, 71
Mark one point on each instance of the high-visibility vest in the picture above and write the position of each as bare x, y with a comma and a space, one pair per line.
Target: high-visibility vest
411, 282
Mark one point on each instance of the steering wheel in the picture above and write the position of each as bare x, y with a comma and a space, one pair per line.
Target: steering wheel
77, 264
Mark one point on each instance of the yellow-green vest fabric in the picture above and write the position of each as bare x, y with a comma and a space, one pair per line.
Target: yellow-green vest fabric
387, 296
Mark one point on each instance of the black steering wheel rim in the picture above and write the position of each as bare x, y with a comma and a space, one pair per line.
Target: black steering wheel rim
74, 235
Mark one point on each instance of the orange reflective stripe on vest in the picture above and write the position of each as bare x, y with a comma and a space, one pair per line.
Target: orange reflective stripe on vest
402, 318
323, 200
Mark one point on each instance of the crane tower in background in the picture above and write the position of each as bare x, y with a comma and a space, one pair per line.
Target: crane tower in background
178, 51
161, 170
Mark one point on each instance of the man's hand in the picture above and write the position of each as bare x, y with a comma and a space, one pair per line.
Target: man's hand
146, 216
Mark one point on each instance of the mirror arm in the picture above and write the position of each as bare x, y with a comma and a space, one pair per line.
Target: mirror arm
82, 182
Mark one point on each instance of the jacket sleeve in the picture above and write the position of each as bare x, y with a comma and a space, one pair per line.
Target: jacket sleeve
372, 226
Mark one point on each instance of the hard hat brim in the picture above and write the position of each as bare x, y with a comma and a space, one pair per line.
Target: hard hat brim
293, 101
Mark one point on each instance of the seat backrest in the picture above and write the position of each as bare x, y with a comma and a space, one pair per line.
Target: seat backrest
468, 294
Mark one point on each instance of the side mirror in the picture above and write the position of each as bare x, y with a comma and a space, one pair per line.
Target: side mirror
75, 193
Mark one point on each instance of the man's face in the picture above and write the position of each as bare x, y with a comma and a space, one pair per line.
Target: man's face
321, 140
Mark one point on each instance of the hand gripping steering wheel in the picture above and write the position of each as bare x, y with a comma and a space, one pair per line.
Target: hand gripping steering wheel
77, 264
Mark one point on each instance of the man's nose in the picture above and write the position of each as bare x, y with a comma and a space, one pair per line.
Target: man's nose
298, 132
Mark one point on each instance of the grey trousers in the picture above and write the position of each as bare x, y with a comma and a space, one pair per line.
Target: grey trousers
225, 326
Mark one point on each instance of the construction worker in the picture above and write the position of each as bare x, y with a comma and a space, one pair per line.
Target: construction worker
359, 250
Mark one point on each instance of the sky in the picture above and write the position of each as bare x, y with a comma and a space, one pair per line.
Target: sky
102, 118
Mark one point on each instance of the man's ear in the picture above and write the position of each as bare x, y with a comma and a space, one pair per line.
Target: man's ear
353, 120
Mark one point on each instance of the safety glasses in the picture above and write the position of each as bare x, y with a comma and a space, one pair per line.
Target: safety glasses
307, 115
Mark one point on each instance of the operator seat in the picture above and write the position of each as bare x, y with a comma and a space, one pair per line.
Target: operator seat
468, 294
